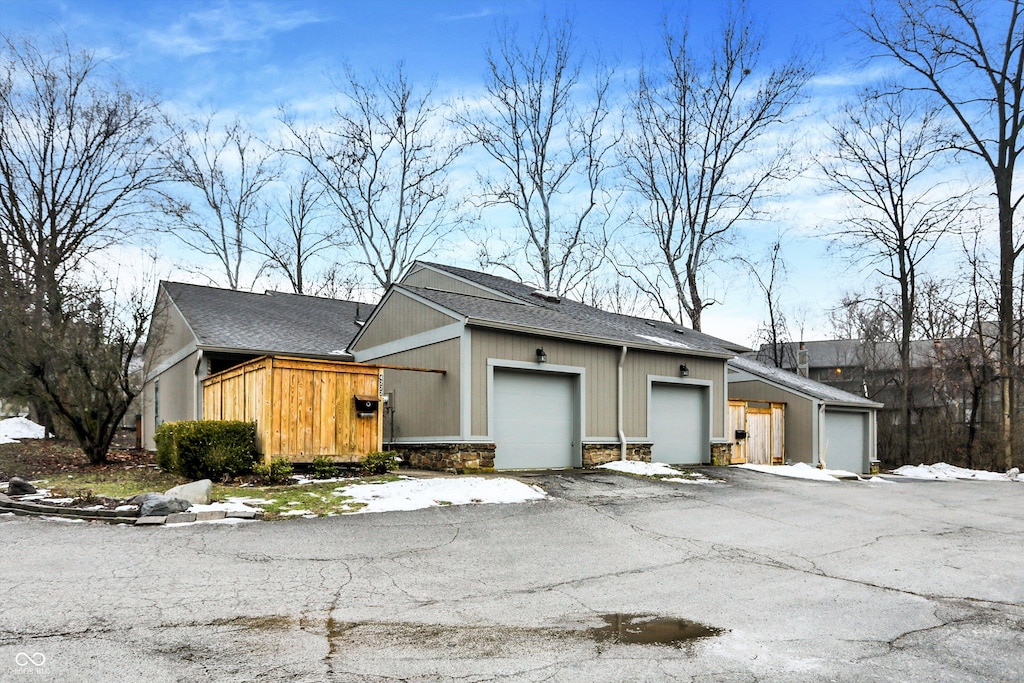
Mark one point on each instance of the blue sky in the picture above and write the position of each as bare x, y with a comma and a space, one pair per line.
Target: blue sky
252, 57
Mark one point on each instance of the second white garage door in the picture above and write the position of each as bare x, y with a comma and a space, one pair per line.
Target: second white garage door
846, 441
533, 422
678, 424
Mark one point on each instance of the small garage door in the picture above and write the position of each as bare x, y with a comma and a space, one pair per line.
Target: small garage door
534, 420
846, 441
678, 424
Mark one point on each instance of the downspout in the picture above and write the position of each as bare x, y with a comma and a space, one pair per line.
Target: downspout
622, 432
198, 392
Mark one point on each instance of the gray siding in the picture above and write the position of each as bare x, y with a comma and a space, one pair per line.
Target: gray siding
177, 397
168, 334
800, 416
600, 364
641, 364
423, 277
426, 404
601, 367
401, 317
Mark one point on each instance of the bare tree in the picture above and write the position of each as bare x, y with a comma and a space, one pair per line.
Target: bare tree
296, 236
77, 152
82, 363
222, 177
551, 149
700, 157
886, 151
770, 275
384, 163
972, 61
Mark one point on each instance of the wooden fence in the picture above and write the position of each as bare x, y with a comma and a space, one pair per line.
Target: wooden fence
302, 408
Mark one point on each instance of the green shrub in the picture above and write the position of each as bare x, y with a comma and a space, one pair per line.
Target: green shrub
206, 449
323, 467
380, 462
277, 471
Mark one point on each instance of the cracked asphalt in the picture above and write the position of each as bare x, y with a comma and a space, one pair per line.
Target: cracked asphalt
913, 581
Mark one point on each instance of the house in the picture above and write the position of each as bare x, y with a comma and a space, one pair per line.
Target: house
953, 392
534, 380
197, 331
821, 424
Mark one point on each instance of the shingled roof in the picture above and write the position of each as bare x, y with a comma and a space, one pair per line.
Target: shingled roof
799, 383
270, 323
526, 310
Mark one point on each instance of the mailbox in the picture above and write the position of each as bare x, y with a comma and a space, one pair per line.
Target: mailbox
367, 406
741, 434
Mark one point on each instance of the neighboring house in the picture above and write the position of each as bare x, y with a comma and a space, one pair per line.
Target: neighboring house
536, 381
822, 424
197, 331
953, 392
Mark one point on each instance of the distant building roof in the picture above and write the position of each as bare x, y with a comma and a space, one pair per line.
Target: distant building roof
526, 308
798, 383
883, 355
270, 323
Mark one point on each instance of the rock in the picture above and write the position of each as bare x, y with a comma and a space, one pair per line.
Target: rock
156, 505
19, 487
181, 517
197, 492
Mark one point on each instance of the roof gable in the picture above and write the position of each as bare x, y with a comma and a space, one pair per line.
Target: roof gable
274, 322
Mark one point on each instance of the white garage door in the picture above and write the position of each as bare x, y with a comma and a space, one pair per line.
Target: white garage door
846, 441
533, 420
678, 424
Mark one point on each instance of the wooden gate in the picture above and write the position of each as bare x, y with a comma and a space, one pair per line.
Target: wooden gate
758, 431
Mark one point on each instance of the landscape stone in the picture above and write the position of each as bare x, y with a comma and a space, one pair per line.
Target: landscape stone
156, 504
180, 517
19, 487
209, 515
197, 492
241, 514
151, 520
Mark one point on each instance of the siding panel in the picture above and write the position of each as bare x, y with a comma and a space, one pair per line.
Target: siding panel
401, 317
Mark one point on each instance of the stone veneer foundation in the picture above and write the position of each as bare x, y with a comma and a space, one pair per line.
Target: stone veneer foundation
721, 454
595, 454
448, 457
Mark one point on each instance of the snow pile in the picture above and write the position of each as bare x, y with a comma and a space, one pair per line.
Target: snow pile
655, 469
944, 471
14, 428
414, 494
799, 471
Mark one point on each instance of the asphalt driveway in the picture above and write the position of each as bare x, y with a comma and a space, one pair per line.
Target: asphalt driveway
806, 581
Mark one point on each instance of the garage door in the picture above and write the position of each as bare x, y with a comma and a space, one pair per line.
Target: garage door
533, 420
678, 424
846, 441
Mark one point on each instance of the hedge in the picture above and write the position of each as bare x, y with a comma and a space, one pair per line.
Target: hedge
206, 449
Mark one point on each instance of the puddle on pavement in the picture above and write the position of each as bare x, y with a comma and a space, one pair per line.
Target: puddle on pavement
644, 629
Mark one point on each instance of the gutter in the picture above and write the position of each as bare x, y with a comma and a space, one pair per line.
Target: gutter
622, 432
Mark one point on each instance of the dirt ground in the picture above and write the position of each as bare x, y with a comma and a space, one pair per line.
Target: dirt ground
32, 457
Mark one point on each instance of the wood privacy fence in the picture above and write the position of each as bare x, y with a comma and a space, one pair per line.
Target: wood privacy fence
302, 408
758, 430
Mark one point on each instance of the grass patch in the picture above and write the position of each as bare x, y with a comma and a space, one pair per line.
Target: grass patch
317, 499
123, 483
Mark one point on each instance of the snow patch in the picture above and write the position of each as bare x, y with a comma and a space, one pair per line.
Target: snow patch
415, 494
655, 469
797, 471
14, 428
945, 472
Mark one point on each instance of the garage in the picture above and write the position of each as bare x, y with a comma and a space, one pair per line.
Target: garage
845, 440
534, 420
678, 424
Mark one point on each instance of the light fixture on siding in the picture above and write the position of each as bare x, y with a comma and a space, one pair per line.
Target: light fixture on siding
683, 370
541, 356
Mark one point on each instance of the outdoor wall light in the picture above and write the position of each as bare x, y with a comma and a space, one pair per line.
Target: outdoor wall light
541, 356
684, 371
